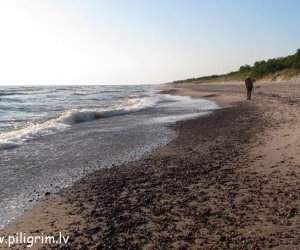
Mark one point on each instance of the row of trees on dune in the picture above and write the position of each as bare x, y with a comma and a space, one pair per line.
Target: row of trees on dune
259, 70
264, 68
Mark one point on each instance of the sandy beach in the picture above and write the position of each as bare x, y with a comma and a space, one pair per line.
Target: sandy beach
229, 180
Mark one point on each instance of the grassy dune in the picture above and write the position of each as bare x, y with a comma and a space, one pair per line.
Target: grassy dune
282, 68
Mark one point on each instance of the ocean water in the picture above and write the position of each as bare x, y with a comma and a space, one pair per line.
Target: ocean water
30, 112
50, 136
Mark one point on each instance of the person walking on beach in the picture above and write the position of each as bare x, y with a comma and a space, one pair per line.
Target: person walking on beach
249, 87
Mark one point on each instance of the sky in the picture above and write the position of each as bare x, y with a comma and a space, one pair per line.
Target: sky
139, 41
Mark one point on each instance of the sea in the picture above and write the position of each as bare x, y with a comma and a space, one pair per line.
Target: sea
51, 136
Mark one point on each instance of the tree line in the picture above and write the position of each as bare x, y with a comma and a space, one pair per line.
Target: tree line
259, 70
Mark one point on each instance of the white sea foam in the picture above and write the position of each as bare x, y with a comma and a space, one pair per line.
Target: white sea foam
65, 120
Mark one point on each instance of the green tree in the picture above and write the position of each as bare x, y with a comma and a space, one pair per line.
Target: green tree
296, 63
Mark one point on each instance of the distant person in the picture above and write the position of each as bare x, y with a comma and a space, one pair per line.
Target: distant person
249, 87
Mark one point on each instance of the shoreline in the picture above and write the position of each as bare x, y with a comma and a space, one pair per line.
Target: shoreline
83, 147
215, 178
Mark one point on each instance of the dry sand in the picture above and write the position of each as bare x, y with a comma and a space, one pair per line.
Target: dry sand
229, 180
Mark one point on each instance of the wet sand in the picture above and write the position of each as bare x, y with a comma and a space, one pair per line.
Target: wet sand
229, 180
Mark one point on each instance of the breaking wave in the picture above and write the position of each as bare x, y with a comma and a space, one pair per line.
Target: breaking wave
65, 120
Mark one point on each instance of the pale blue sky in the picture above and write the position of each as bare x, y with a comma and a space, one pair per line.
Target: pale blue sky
139, 41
